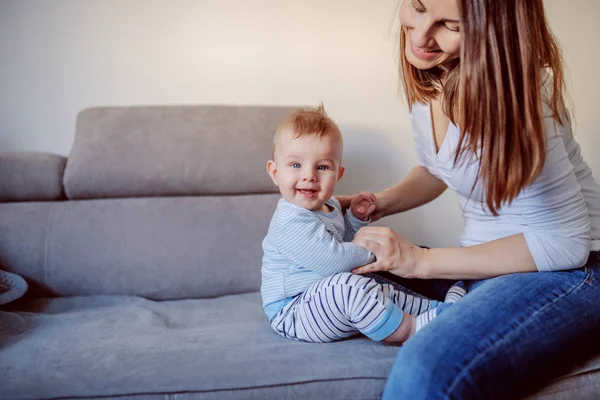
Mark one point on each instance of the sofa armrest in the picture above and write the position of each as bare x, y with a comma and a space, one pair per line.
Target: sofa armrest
31, 176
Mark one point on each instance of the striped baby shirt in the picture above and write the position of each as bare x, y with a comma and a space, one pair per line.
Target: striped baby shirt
302, 247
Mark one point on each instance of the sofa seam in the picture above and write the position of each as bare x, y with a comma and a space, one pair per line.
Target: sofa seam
224, 389
50, 209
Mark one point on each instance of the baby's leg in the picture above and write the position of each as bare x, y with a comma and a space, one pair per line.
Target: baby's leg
344, 304
407, 302
455, 293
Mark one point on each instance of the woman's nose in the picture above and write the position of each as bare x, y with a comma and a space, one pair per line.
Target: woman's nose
421, 35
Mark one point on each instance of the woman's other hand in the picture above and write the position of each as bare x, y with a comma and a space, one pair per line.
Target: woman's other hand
393, 253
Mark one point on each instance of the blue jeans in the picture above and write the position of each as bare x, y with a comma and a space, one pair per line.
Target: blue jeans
508, 337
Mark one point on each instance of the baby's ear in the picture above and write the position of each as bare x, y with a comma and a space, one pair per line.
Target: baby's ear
341, 172
272, 170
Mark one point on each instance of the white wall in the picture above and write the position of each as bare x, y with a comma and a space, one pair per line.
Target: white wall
58, 57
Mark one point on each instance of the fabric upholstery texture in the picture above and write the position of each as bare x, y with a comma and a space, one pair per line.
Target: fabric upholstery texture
31, 176
121, 346
172, 151
159, 248
115, 345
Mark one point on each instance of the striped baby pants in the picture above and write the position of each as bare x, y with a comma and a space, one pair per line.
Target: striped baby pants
345, 304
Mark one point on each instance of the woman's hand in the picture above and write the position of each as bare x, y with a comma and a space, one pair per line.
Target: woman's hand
380, 205
378, 202
393, 253
362, 205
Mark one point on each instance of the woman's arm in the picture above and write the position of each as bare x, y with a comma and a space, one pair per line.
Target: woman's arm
499, 257
397, 255
417, 188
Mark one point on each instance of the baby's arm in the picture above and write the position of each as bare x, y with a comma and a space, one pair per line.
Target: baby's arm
303, 239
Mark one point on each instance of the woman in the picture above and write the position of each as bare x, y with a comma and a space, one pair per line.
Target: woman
484, 81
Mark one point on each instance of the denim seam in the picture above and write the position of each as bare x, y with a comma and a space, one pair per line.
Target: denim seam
506, 337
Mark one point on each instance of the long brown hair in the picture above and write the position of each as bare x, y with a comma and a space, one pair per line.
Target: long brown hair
494, 92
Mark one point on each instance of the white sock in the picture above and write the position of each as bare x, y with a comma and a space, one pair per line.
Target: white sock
456, 292
425, 318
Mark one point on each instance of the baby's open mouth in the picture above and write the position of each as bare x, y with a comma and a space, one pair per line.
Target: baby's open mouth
307, 192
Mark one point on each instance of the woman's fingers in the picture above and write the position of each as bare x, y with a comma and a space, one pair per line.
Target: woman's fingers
392, 252
380, 230
370, 245
382, 235
365, 269
376, 216
371, 209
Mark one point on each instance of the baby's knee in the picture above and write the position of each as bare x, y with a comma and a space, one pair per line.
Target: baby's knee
350, 279
342, 277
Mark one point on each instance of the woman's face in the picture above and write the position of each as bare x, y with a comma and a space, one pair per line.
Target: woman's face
431, 28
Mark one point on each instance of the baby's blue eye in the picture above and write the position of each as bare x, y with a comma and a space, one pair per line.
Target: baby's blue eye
323, 167
295, 165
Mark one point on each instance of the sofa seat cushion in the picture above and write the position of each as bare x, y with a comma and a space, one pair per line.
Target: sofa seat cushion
131, 347
124, 345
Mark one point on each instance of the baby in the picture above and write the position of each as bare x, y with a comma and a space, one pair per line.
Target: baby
307, 290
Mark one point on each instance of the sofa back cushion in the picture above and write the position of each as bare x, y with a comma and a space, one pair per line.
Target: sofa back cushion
172, 151
159, 248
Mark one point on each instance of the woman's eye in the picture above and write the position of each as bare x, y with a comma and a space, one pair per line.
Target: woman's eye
417, 7
295, 165
452, 27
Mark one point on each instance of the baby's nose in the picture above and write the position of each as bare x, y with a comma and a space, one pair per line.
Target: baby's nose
310, 176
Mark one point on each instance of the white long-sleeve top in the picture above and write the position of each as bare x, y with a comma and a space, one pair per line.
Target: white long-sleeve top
558, 214
302, 247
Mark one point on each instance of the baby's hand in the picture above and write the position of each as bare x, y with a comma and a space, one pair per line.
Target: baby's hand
363, 205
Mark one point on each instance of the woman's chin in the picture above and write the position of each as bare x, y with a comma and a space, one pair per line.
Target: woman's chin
421, 64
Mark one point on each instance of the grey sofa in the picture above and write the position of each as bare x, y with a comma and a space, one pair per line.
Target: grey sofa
142, 254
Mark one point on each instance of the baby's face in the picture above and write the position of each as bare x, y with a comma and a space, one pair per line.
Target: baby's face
307, 169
